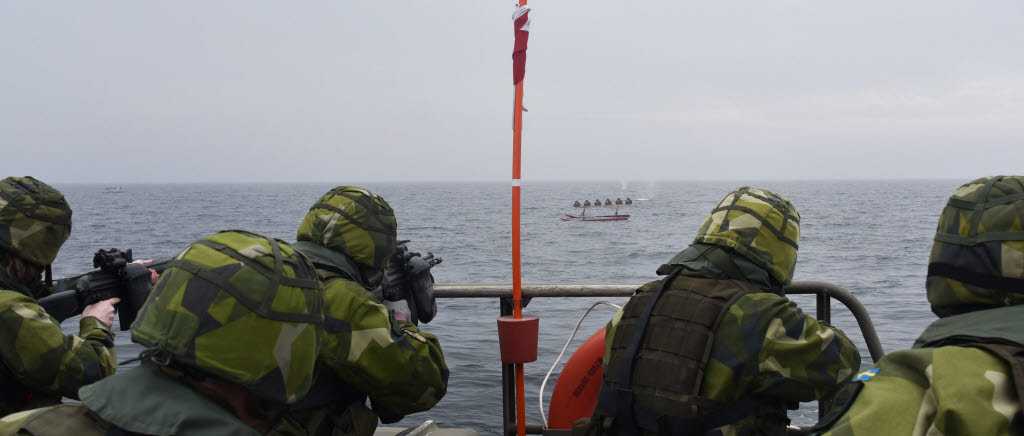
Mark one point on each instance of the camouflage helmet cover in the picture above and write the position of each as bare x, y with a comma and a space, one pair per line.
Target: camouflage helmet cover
760, 225
353, 221
242, 307
35, 220
977, 260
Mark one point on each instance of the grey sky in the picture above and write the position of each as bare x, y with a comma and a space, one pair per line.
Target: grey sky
128, 91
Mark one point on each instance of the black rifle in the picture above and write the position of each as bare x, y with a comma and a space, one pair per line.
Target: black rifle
117, 277
408, 278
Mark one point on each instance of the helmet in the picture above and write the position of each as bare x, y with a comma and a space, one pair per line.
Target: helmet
35, 220
760, 225
353, 221
977, 260
241, 307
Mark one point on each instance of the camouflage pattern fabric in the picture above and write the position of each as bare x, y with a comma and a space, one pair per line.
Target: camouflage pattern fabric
353, 221
35, 220
762, 226
947, 390
766, 345
941, 386
242, 307
400, 368
37, 357
977, 260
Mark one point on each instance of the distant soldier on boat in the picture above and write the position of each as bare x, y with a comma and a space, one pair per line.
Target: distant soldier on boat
964, 374
582, 214
715, 347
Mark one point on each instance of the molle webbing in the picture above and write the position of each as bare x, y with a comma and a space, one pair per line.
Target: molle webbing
668, 368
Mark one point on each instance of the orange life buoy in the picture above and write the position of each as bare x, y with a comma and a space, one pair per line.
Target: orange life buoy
575, 393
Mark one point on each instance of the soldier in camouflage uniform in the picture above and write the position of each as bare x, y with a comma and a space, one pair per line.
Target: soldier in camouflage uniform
38, 362
963, 375
232, 331
716, 348
350, 234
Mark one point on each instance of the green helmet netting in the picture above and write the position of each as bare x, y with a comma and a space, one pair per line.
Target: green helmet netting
35, 220
353, 221
242, 307
762, 226
977, 260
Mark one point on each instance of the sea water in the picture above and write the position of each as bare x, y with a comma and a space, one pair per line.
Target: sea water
869, 237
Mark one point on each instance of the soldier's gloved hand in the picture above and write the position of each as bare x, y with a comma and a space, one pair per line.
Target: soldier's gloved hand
401, 310
103, 310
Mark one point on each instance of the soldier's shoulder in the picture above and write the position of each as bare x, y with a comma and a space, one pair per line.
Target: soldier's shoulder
342, 284
765, 303
341, 291
9, 298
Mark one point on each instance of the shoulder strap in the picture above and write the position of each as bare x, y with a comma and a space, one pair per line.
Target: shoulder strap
624, 396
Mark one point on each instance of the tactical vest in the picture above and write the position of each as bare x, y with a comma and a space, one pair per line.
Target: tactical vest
658, 355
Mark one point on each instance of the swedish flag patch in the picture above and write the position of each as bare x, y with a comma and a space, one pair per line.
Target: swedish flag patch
866, 375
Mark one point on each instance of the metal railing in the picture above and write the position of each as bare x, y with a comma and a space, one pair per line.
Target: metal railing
824, 292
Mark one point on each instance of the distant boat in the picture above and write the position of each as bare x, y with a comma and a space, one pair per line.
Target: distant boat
616, 216
113, 190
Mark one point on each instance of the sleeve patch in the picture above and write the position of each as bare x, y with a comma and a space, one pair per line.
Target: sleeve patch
416, 336
866, 375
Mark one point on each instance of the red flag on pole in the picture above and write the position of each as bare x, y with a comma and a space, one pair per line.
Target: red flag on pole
522, 28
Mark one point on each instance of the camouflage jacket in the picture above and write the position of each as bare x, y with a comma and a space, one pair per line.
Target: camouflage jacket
39, 362
766, 346
140, 401
400, 368
947, 389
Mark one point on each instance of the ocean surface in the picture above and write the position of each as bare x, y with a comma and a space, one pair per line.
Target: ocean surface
869, 237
